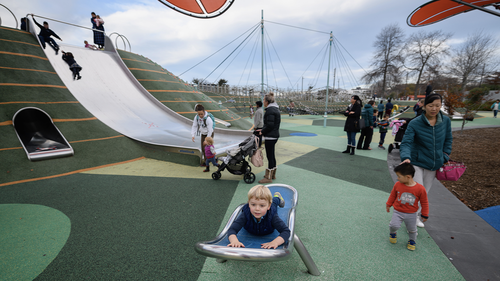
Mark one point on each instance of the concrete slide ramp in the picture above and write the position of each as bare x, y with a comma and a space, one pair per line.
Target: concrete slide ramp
112, 94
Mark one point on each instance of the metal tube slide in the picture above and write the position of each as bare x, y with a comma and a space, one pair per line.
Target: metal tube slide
112, 94
217, 248
40, 138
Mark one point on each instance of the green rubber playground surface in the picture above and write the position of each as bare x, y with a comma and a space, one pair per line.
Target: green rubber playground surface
140, 221
119, 210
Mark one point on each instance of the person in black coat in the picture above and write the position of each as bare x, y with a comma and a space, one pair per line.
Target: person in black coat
428, 89
271, 132
45, 34
73, 66
351, 126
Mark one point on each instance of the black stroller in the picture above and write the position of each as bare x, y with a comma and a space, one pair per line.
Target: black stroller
235, 161
400, 134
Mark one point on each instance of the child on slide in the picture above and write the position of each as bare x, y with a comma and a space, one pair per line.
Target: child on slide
260, 217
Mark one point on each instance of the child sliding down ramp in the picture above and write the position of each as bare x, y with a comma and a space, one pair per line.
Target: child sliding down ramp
217, 248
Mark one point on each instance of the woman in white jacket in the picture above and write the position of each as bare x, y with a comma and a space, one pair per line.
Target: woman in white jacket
202, 125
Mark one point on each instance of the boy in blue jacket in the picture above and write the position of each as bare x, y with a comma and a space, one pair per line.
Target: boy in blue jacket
260, 217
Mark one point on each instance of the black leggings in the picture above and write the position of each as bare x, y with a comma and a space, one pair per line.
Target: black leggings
271, 158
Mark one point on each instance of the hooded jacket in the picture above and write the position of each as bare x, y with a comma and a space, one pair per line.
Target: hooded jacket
427, 146
367, 114
272, 120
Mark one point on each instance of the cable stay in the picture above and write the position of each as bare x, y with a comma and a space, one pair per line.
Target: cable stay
229, 54
320, 51
241, 49
254, 48
297, 27
253, 27
279, 59
344, 75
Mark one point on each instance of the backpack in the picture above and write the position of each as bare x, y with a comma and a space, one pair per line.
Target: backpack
205, 119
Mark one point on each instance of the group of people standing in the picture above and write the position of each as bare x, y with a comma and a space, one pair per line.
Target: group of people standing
266, 124
354, 113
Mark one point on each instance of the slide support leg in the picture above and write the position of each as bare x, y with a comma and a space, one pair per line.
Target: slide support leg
304, 255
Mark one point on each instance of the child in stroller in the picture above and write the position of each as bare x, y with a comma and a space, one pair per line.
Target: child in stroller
235, 161
398, 129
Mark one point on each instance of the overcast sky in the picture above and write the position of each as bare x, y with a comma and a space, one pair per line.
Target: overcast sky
178, 42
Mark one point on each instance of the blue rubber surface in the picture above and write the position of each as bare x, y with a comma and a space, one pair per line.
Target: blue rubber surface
491, 215
303, 134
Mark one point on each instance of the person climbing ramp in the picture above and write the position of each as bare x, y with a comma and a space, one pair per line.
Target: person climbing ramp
73, 66
45, 34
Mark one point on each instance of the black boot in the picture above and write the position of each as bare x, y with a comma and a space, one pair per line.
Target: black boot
352, 150
348, 150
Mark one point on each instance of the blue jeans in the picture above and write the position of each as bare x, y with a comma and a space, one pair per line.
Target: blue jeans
211, 160
51, 42
351, 138
382, 138
495, 113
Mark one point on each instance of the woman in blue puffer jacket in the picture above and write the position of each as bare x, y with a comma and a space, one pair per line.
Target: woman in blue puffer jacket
427, 143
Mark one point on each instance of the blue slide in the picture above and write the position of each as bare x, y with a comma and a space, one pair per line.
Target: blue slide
217, 248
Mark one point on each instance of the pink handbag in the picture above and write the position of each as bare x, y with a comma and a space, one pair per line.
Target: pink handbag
451, 171
257, 158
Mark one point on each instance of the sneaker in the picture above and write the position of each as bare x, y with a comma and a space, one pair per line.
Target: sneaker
203, 165
381, 147
282, 201
206, 170
420, 223
393, 238
411, 245
79, 77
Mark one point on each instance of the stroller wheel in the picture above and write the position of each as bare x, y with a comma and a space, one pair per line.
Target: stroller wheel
391, 147
249, 177
216, 175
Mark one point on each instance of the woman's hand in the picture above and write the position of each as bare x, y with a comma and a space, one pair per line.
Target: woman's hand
405, 161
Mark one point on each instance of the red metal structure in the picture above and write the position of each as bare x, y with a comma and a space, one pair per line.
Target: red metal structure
438, 10
199, 8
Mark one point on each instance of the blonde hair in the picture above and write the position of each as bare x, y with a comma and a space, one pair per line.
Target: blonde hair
269, 98
209, 140
260, 192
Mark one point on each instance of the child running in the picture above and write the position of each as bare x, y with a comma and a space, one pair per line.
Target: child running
404, 197
260, 217
383, 125
209, 153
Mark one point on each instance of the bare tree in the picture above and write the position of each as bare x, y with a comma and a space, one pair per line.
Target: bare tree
386, 62
470, 57
424, 49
